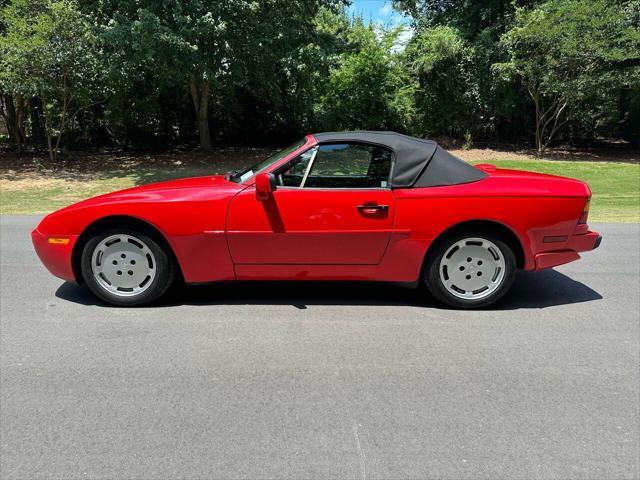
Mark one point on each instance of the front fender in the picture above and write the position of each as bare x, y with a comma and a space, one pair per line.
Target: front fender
192, 221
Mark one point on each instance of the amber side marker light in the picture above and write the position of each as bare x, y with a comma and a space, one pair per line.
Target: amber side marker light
585, 213
58, 241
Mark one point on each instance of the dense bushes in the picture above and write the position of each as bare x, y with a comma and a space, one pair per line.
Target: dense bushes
151, 74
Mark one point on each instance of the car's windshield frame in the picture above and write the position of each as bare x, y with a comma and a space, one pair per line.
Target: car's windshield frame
249, 173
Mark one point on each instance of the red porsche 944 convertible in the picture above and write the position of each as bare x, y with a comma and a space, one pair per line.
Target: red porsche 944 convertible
374, 206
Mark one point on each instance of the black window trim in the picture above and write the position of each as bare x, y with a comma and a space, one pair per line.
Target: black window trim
317, 147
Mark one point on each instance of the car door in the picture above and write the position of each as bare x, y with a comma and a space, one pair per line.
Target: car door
332, 205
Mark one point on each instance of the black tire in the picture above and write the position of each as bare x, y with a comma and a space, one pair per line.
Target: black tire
165, 270
435, 283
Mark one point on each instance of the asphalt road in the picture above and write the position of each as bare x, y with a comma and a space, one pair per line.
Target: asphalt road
310, 381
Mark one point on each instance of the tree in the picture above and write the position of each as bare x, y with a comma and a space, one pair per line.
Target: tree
11, 109
364, 81
438, 60
468, 17
449, 60
48, 50
564, 50
149, 73
209, 46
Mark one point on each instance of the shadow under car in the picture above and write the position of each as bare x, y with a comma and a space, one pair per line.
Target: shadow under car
530, 290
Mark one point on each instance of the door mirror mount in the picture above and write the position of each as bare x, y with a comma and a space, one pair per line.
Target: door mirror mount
265, 186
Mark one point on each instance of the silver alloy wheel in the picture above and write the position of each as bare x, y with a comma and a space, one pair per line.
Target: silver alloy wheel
472, 268
123, 265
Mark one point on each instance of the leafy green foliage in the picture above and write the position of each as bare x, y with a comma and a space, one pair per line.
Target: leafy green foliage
438, 59
49, 50
470, 18
153, 73
362, 86
571, 54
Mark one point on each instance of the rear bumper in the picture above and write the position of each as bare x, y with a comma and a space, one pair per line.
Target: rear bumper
585, 242
56, 257
569, 252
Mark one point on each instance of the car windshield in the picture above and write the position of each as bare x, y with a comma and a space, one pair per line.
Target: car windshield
244, 175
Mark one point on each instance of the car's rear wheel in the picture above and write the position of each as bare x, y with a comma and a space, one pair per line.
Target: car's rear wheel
470, 269
126, 268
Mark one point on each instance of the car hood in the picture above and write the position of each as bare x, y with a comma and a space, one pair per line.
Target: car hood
183, 189
193, 182
183, 198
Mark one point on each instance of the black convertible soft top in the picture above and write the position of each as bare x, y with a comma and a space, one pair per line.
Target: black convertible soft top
417, 162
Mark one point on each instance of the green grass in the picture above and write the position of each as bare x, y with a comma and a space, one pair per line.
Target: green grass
47, 198
37, 193
615, 186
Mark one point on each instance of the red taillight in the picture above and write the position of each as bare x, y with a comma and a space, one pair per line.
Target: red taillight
585, 213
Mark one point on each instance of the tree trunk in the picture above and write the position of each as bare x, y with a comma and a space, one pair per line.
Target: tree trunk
535, 96
20, 131
52, 152
200, 92
205, 135
35, 109
6, 107
556, 126
539, 146
545, 117
48, 129
12, 118
539, 120
63, 118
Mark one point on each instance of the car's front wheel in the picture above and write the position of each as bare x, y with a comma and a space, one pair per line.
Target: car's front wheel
126, 268
470, 270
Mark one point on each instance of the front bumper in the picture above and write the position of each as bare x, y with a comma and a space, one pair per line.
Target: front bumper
576, 243
56, 257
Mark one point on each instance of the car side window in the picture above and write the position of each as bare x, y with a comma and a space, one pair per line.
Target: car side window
350, 165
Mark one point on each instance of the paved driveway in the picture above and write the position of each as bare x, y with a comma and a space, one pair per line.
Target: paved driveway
297, 381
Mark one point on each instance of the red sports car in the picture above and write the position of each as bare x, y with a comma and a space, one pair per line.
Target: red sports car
375, 206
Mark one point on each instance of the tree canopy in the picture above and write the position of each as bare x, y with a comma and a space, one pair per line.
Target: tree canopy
151, 73
570, 53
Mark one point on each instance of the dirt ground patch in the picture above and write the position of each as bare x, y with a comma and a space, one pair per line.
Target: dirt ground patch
623, 155
82, 167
